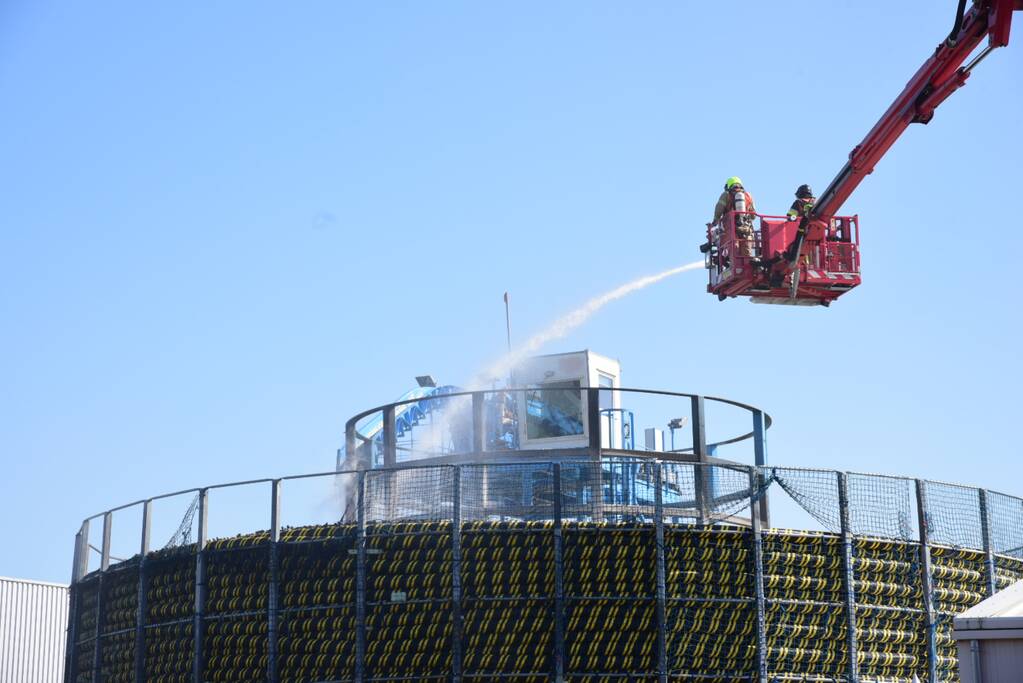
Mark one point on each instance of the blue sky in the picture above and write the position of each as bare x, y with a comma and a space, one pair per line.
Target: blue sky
225, 229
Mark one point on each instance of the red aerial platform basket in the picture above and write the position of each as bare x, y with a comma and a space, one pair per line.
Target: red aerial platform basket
815, 259
758, 261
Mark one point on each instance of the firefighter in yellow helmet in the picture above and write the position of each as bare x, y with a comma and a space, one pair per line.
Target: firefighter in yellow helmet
736, 198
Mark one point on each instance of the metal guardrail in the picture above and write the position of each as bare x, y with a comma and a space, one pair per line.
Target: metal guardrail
665, 494
685, 489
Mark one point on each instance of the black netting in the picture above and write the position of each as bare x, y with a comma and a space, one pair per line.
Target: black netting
507, 492
705, 494
816, 491
1005, 517
679, 483
953, 515
881, 506
582, 491
407, 494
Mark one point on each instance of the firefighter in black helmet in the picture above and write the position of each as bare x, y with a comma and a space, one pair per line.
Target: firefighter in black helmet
803, 204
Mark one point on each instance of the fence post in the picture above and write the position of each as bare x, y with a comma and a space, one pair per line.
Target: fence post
456, 570
390, 434
142, 601
989, 554
757, 555
593, 420
662, 644
559, 583
849, 579
760, 460
479, 440
273, 590
198, 625
360, 579
926, 580
104, 565
73, 607
700, 451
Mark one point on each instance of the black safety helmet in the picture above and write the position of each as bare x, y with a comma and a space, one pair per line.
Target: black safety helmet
804, 192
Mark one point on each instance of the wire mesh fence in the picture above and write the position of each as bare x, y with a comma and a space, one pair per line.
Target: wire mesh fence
954, 515
881, 506
623, 567
1006, 523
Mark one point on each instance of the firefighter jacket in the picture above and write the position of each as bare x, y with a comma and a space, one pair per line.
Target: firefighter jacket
726, 204
802, 207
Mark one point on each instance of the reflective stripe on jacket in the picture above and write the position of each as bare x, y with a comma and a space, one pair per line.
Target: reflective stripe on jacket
801, 207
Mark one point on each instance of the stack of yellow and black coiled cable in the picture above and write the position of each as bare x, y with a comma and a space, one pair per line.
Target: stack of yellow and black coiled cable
508, 602
236, 625
891, 642
118, 621
610, 605
170, 599
85, 628
508, 599
1008, 570
958, 577
408, 596
805, 616
316, 641
711, 624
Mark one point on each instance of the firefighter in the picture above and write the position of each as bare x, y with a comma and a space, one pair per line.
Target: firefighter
736, 198
803, 204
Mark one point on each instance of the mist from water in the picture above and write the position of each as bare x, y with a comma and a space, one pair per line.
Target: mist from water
457, 410
568, 322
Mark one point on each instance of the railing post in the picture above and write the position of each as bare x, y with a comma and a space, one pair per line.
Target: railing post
479, 440
757, 558
351, 449
83, 557
73, 607
760, 459
662, 626
456, 569
273, 590
559, 582
142, 600
849, 579
700, 451
108, 521
927, 581
390, 437
360, 579
989, 554
199, 611
593, 420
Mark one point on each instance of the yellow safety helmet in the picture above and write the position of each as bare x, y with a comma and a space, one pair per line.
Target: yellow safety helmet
734, 180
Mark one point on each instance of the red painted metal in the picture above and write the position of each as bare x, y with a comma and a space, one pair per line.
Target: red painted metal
828, 264
939, 77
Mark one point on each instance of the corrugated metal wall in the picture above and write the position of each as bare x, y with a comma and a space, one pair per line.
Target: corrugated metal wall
33, 629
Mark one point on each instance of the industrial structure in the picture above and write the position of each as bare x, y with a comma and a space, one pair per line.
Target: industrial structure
990, 638
522, 534
33, 627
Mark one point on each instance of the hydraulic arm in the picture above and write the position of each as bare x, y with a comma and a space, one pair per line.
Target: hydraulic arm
939, 77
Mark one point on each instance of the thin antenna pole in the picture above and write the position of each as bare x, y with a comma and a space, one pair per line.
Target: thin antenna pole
507, 329
507, 320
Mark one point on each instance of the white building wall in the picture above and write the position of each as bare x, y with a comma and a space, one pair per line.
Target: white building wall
33, 631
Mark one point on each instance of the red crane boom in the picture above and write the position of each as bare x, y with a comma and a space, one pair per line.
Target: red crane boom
939, 77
